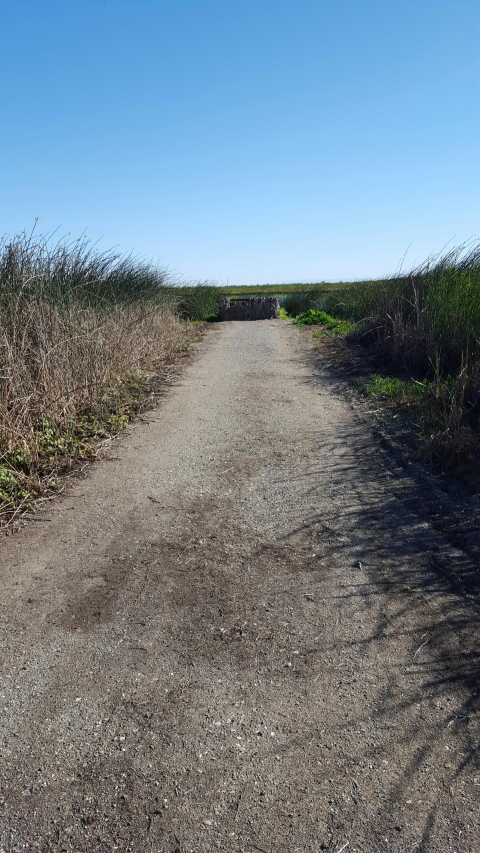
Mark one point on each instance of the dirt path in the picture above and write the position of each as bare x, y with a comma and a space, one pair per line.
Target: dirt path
236, 636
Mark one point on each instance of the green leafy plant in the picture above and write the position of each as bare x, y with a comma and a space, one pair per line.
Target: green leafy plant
312, 317
10, 489
331, 325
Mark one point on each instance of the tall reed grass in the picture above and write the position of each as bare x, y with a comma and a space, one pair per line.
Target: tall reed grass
199, 302
425, 324
79, 329
423, 320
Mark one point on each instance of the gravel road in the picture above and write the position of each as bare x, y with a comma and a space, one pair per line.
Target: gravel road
236, 635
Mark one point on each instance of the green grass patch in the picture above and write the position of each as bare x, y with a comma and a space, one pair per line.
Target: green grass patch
396, 390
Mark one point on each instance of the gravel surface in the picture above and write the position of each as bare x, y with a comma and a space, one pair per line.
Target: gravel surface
236, 635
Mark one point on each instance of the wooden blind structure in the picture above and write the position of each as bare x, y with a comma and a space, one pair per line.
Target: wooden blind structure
252, 308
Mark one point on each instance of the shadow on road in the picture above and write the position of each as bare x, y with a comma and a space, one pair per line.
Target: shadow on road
423, 593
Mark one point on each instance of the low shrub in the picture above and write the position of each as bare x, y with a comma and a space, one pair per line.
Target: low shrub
331, 325
311, 317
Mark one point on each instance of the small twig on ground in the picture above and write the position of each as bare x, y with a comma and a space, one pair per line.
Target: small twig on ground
465, 717
344, 847
420, 647
52, 497
21, 509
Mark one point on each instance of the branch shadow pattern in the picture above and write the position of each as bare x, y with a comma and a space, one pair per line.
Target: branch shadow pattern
423, 591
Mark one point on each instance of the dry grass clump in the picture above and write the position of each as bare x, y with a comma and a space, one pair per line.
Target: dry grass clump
59, 363
79, 333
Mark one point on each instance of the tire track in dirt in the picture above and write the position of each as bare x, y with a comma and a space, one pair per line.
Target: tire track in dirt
237, 635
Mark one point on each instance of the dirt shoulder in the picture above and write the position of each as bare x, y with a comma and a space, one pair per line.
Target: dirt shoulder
448, 495
239, 634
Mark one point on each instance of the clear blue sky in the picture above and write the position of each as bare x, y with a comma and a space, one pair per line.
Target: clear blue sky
244, 140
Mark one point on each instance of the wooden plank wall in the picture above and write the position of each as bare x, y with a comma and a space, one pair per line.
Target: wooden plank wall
253, 308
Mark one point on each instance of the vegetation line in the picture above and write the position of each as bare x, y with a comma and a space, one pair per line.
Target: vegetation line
423, 329
83, 334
